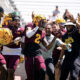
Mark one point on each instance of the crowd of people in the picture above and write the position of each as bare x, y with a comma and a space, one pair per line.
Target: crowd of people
50, 46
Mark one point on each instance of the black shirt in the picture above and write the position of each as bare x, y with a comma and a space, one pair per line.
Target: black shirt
32, 47
74, 40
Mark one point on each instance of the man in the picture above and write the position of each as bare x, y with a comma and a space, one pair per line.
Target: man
71, 62
34, 61
56, 52
52, 42
56, 12
3, 69
12, 51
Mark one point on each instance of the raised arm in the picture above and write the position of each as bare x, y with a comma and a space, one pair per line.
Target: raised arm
30, 32
74, 21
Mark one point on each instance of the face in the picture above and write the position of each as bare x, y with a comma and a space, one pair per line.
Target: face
56, 8
54, 28
48, 30
69, 28
17, 23
61, 27
42, 23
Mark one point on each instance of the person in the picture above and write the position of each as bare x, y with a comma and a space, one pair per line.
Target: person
71, 61
16, 12
55, 29
56, 52
3, 68
78, 17
66, 14
34, 62
56, 12
12, 51
62, 30
51, 42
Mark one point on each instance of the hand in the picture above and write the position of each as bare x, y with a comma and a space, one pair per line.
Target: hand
18, 39
71, 18
59, 48
64, 46
69, 45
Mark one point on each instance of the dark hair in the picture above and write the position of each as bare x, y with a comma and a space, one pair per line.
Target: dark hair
56, 6
15, 18
53, 23
1, 9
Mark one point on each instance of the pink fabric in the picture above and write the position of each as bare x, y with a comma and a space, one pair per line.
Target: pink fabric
63, 31
39, 62
21, 29
43, 33
31, 63
2, 59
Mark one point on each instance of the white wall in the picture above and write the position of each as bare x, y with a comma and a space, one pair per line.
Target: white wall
6, 5
46, 7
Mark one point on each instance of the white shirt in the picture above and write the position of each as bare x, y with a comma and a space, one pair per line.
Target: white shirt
57, 42
11, 51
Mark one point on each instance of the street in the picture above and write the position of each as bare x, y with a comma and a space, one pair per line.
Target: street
21, 71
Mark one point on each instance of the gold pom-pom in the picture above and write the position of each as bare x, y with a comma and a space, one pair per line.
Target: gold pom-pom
5, 36
37, 18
